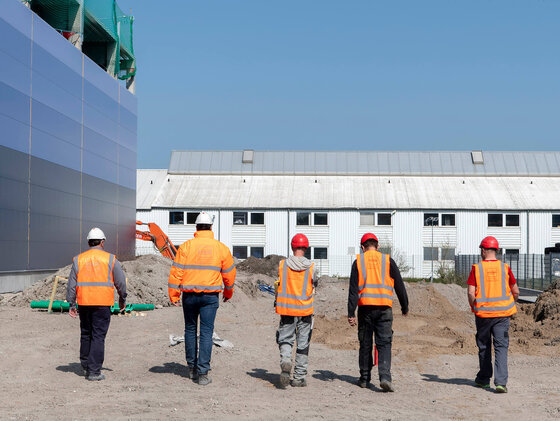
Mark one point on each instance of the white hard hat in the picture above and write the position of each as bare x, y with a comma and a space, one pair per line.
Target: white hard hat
96, 234
204, 218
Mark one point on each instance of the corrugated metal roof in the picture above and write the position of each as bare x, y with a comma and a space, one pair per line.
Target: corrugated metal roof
349, 192
148, 186
448, 163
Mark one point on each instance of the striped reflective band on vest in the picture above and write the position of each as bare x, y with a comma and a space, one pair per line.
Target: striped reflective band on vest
483, 299
201, 287
303, 295
203, 267
374, 286
295, 306
97, 284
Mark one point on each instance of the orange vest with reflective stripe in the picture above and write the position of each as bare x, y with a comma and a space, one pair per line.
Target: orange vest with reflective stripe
493, 293
95, 285
202, 264
375, 286
295, 291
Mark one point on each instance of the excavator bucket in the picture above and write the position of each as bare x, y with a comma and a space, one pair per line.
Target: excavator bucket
158, 237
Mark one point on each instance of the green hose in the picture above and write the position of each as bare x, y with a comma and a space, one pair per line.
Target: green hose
59, 305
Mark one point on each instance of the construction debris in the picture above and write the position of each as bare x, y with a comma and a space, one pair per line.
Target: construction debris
222, 343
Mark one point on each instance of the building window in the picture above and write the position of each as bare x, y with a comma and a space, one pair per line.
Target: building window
240, 252
511, 255
431, 219
448, 253
447, 220
495, 220
555, 221
319, 219
176, 218
239, 218
383, 219
257, 218
191, 217
512, 220
320, 253
308, 252
430, 253
257, 252
302, 218
367, 218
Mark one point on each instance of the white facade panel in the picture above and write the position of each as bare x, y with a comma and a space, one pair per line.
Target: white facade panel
318, 235
277, 238
407, 240
343, 235
442, 236
178, 234
225, 220
540, 232
472, 227
555, 236
248, 235
384, 234
508, 237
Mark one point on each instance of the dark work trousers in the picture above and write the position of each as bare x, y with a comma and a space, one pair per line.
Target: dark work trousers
205, 305
488, 330
94, 324
376, 320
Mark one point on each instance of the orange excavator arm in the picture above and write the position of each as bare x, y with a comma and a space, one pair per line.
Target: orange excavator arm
158, 237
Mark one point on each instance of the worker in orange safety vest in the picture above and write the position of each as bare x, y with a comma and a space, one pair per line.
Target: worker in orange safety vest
294, 303
203, 268
373, 278
93, 278
492, 293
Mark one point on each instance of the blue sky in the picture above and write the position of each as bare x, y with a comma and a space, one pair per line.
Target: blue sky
346, 75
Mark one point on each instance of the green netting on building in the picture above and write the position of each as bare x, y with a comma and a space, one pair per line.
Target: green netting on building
103, 30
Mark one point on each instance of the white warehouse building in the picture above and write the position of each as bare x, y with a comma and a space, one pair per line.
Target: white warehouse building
425, 207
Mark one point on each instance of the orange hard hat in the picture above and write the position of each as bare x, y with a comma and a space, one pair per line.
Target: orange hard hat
489, 243
300, 240
368, 236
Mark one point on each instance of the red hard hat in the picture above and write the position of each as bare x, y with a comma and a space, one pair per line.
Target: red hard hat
300, 240
489, 243
368, 236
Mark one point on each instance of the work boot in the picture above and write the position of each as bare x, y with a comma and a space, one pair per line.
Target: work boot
363, 382
85, 371
286, 367
96, 377
193, 374
482, 385
299, 383
204, 380
501, 389
387, 386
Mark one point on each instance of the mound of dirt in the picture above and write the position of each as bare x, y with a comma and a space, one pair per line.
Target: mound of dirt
266, 266
547, 305
146, 283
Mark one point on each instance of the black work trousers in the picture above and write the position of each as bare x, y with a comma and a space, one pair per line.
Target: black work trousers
376, 320
94, 324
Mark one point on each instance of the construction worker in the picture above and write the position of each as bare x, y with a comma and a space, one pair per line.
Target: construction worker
93, 278
492, 292
201, 268
373, 279
294, 303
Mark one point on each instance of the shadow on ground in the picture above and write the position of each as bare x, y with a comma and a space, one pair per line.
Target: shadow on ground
455, 380
171, 368
329, 376
76, 368
262, 374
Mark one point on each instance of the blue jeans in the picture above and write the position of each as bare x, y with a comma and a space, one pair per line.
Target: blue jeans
205, 306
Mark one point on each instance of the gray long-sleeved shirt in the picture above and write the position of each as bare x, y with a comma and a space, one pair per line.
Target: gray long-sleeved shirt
119, 280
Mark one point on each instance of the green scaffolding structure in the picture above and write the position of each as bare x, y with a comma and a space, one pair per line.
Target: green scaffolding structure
102, 29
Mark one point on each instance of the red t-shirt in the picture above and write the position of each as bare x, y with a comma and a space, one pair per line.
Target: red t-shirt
472, 280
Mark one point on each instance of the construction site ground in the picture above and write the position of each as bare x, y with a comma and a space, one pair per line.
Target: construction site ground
434, 360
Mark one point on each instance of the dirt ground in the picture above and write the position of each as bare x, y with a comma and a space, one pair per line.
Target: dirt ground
434, 362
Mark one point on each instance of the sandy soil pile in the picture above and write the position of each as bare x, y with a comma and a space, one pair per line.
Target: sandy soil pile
147, 283
267, 266
547, 306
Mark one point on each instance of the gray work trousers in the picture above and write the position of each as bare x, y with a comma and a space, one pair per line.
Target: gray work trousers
496, 330
294, 328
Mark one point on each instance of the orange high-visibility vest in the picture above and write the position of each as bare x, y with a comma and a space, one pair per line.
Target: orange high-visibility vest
375, 284
493, 293
95, 285
295, 291
202, 264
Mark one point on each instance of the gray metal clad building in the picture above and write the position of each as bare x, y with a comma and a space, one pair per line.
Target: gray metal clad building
67, 149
